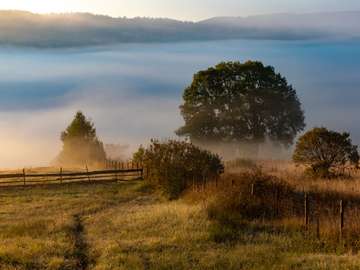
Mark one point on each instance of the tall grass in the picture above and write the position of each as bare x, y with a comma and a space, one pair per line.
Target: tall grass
270, 197
131, 226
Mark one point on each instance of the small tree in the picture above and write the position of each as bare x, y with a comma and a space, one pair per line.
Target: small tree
80, 143
322, 150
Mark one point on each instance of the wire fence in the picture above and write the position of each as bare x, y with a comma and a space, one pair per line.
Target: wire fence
322, 214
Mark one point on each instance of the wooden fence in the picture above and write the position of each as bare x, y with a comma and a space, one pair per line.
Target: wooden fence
117, 165
25, 179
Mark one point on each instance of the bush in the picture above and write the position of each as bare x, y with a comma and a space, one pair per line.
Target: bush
235, 204
235, 207
323, 150
174, 165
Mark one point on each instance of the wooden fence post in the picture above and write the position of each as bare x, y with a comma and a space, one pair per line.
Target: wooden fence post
318, 226
277, 197
306, 211
341, 221
24, 177
87, 171
61, 175
116, 174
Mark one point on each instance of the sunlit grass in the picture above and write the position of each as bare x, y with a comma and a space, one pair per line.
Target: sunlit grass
129, 226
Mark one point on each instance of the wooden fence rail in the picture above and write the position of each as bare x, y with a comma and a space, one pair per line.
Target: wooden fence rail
23, 179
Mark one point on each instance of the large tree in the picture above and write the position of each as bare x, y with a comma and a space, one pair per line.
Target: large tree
241, 103
80, 143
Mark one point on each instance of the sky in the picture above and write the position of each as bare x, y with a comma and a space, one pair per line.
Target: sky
181, 9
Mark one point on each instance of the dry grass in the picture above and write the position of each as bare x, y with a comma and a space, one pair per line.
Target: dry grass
37, 224
294, 175
278, 199
129, 226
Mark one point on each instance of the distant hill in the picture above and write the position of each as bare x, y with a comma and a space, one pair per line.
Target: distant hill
82, 29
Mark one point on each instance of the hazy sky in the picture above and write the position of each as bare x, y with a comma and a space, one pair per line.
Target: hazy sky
181, 9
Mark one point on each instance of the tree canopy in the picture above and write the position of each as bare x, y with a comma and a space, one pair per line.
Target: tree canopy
241, 102
80, 143
323, 149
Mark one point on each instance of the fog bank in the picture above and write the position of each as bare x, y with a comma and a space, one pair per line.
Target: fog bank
132, 91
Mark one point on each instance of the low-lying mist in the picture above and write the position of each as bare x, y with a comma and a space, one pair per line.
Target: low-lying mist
264, 151
132, 92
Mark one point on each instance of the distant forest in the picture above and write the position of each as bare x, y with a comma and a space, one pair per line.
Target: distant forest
21, 28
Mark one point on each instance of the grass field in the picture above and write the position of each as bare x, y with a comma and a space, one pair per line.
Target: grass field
129, 226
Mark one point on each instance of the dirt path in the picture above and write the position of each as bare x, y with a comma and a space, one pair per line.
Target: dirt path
78, 259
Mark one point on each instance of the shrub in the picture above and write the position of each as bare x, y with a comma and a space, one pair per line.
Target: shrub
236, 203
322, 150
173, 165
235, 207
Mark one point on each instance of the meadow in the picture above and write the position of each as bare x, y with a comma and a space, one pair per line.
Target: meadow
130, 225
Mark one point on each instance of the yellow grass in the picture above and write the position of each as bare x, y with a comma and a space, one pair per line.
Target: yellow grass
129, 226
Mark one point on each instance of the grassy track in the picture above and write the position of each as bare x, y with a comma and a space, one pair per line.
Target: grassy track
127, 226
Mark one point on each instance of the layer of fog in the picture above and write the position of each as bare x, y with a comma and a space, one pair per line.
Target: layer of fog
132, 92
76, 29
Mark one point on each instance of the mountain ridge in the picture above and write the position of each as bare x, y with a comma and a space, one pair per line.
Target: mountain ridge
23, 28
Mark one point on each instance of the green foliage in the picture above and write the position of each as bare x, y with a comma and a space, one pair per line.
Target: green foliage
173, 165
80, 143
139, 155
322, 150
241, 102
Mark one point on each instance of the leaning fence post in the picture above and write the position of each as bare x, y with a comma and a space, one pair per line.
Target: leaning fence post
341, 225
24, 177
306, 211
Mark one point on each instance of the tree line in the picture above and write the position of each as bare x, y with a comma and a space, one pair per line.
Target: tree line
232, 103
